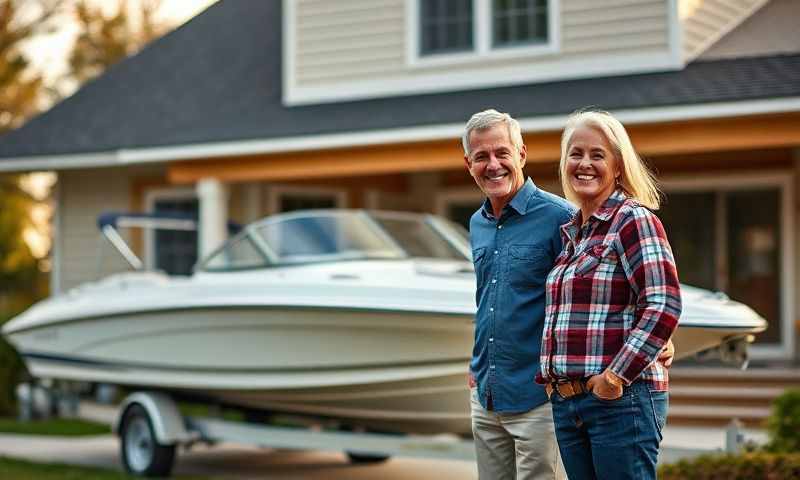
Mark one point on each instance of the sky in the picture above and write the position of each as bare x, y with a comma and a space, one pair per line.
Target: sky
50, 52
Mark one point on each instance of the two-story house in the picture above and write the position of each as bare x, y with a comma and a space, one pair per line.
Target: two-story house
255, 107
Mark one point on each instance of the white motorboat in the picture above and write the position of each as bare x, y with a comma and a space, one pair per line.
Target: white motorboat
366, 317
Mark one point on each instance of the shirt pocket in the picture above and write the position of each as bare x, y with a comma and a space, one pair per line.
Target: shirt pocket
596, 258
528, 266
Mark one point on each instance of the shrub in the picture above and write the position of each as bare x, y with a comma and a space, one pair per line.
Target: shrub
746, 466
11, 370
783, 423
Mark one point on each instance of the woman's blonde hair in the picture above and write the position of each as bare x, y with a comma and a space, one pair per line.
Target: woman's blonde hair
636, 179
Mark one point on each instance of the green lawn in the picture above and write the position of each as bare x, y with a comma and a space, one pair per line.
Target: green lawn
57, 426
22, 470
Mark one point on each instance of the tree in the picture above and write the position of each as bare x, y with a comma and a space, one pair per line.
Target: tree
107, 37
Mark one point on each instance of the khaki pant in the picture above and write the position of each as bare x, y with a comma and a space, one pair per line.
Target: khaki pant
515, 446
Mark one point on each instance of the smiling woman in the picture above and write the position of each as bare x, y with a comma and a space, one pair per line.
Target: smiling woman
613, 302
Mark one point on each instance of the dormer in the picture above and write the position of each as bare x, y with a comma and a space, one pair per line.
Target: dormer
360, 49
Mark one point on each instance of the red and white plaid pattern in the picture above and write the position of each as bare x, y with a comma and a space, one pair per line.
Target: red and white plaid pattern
613, 297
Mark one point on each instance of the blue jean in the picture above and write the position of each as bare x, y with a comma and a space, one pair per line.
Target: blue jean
611, 439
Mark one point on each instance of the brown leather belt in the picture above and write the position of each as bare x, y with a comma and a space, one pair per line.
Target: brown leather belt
567, 389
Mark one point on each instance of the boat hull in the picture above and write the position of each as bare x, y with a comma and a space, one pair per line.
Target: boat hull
389, 370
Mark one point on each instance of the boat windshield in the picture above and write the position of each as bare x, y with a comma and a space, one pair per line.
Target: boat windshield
335, 235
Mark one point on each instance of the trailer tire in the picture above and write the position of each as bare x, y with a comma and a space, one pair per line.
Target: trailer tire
140, 451
366, 458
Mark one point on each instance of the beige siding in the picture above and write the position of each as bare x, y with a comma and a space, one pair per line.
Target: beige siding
772, 30
366, 40
349, 39
705, 21
84, 195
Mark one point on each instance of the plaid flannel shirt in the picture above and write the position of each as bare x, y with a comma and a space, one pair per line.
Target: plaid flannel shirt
613, 297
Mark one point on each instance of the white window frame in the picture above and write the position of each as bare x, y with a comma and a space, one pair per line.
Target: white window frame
729, 182
274, 193
150, 199
482, 38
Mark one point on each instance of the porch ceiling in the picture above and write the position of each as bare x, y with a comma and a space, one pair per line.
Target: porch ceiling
729, 134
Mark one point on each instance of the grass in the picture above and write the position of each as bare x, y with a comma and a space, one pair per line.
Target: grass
22, 470
57, 426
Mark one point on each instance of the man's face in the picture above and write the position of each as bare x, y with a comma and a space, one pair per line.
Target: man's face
495, 163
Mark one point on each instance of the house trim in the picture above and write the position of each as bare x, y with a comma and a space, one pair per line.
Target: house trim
784, 181
379, 137
517, 73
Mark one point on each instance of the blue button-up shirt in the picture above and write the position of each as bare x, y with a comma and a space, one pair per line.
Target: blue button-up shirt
512, 256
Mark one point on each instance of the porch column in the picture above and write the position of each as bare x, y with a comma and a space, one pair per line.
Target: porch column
213, 229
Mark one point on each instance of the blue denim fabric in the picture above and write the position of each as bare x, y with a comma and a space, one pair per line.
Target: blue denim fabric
611, 439
512, 256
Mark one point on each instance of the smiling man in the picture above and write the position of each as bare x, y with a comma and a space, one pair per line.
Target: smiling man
515, 240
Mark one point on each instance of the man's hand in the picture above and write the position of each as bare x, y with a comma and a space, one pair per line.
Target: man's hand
667, 354
605, 386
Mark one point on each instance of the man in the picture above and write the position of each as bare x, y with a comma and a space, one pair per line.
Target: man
515, 240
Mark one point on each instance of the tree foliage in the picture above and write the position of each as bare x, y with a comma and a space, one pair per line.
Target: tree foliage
107, 36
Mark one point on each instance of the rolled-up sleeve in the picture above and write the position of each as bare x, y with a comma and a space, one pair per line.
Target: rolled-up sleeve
649, 266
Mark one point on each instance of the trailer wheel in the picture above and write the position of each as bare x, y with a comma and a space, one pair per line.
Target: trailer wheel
365, 458
141, 453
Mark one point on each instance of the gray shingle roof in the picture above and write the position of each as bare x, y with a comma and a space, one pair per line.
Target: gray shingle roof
218, 78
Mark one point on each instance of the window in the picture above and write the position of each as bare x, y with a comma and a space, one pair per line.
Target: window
284, 199
735, 240
465, 29
519, 22
175, 250
446, 26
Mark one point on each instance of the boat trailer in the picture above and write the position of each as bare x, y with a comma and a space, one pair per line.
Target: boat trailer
151, 427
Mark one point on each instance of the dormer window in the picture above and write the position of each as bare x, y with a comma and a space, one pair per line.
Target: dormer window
464, 30
519, 22
446, 26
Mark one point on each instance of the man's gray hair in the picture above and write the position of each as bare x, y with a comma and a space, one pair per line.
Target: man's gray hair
488, 119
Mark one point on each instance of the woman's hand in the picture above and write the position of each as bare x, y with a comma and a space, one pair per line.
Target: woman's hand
667, 354
605, 386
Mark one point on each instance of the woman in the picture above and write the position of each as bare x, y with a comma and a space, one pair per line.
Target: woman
613, 301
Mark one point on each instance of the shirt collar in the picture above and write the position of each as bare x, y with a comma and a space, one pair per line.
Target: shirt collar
519, 202
603, 214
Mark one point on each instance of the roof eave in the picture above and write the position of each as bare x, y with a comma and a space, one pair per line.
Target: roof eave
145, 155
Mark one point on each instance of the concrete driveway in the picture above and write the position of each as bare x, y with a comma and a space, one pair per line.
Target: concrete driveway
229, 461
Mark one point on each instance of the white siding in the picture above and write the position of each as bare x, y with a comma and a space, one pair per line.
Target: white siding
773, 30
84, 195
362, 48
706, 21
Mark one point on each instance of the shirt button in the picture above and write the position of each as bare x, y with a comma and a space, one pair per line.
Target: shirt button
491, 366
499, 227
494, 280
491, 339
495, 252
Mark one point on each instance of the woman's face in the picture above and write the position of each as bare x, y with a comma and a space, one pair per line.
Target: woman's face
592, 167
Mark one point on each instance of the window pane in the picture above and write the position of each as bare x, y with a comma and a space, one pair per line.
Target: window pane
445, 26
176, 251
290, 202
689, 220
754, 255
519, 22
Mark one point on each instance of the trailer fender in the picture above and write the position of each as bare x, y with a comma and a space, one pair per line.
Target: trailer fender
166, 419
